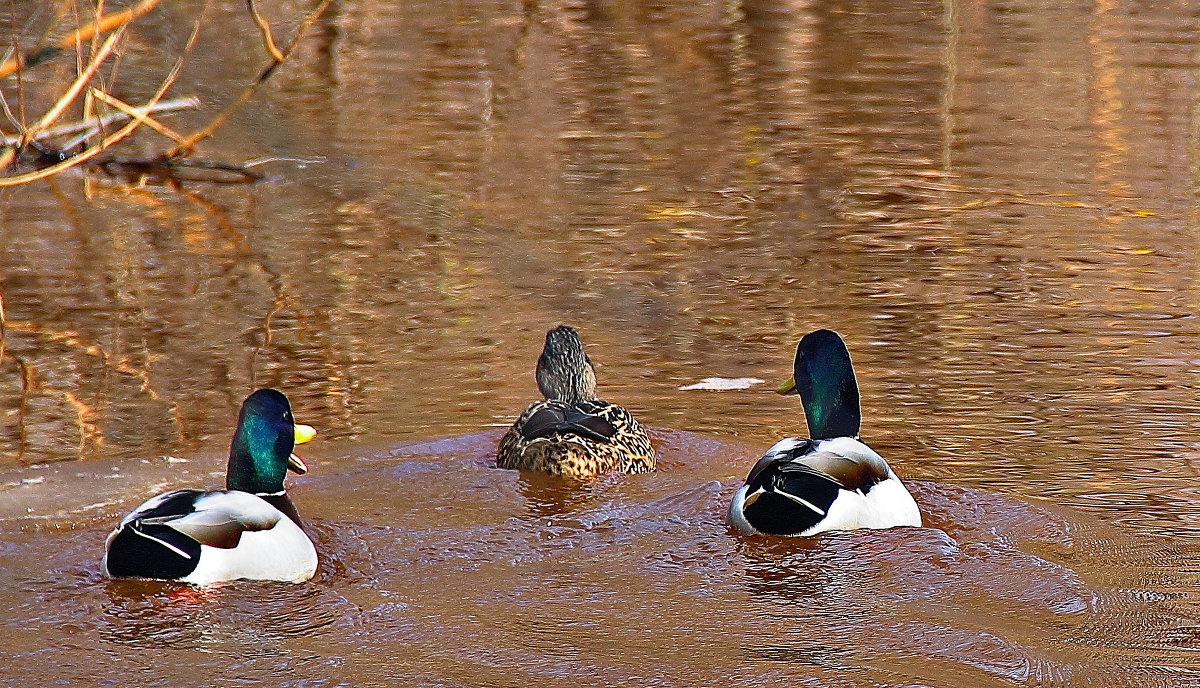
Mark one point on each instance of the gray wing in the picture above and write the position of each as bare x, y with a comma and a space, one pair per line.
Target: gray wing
850, 474
220, 518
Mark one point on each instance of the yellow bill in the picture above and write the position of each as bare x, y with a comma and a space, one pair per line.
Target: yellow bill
787, 387
304, 433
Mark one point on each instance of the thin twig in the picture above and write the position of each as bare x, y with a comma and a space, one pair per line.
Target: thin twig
67, 98
89, 127
190, 143
101, 25
137, 113
265, 28
14, 49
3, 329
89, 101
123, 131
12, 12
8, 113
97, 17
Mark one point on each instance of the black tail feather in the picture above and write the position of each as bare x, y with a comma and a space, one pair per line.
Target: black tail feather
794, 500
138, 550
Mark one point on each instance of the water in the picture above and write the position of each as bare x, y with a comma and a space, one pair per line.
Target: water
994, 204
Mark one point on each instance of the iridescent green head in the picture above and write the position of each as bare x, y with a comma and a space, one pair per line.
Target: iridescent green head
261, 453
824, 377
564, 372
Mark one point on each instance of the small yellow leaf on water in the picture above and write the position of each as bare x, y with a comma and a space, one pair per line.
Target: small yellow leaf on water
1142, 212
1142, 251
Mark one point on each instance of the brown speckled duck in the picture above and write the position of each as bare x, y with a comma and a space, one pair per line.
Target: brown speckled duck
572, 433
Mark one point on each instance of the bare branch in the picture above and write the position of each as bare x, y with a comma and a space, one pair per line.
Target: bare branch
102, 25
120, 133
12, 12
137, 113
91, 126
69, 97
265, 28
224, 115
8, 113
89, 101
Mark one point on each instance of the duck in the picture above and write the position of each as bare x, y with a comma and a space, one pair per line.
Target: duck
570, 432
249, 530
832, 480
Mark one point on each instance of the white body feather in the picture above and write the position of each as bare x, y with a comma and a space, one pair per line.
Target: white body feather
273, 547
283, 553
736, 517
887, 504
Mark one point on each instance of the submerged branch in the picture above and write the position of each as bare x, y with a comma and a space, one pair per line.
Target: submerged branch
174, 170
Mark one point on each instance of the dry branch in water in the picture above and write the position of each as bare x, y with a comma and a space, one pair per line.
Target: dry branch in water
3, 328
43, 148
85, 129
85, 32
206, 131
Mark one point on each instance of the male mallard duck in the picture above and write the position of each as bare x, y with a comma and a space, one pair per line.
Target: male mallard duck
830, 482
571, 432
249, 530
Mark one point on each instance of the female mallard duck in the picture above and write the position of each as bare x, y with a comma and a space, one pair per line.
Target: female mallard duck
832, 481
250, 530
571, 432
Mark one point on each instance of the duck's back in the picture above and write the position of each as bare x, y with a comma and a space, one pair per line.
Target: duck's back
283, 553
204, 537
576, 440
804, 487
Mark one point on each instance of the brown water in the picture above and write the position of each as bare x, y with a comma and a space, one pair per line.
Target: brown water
995, 203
